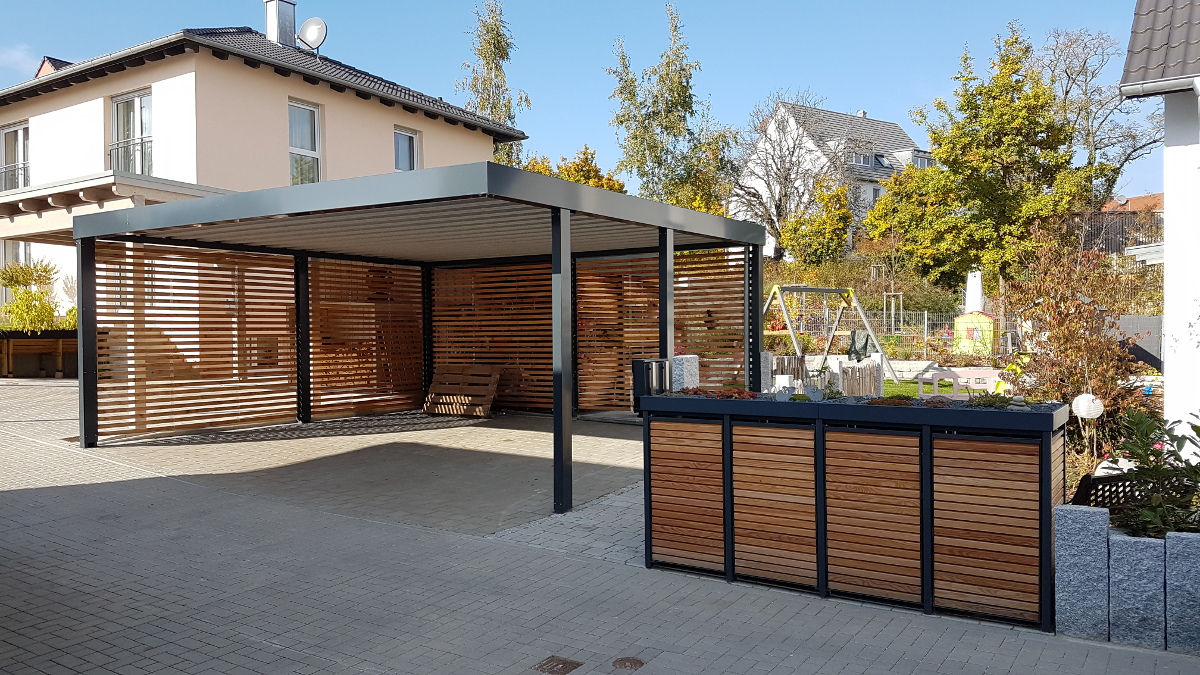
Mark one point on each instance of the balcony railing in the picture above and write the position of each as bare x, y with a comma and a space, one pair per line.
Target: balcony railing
132, 156
14, 176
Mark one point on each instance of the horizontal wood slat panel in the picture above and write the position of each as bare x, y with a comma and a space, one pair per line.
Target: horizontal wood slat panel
874, 547
191, 339
365, 338
985, 529
687, 503
497, 316
710, 319
617, 318
773, 476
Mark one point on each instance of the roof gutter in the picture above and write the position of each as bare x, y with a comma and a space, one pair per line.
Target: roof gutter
1160, 87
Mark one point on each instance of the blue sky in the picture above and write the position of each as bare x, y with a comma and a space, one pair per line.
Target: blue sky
883, 56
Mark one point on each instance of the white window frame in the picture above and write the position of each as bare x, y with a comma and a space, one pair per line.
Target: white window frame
22, 129
139, 138
320, 142
924, 162
416, 146
862, 159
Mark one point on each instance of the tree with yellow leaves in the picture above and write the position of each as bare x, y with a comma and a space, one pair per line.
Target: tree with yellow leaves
580, 169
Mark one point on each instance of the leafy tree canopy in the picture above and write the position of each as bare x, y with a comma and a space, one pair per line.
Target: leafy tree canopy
487, 84
580, 169
1004, 158
668, 138
820, 235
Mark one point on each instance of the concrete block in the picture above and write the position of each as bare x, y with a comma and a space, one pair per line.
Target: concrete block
1183, 592
1136, 597
766, 367
685, 372
1081, 571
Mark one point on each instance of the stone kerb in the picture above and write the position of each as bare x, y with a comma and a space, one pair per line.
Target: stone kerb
1137, 591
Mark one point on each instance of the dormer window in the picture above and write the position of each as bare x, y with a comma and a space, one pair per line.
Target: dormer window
924, 162
860, 159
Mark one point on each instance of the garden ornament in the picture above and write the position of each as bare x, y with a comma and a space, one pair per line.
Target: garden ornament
1087, 406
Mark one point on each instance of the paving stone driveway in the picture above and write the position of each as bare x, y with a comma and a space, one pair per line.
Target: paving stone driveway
111, 567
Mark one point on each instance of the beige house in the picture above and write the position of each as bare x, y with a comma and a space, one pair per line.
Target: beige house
204, 112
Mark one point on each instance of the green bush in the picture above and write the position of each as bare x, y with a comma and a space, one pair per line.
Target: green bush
31, 311
1165, 484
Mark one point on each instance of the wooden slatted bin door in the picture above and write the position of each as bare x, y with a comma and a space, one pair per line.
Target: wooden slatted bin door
985, 516
774, 504
686, 492
873, 506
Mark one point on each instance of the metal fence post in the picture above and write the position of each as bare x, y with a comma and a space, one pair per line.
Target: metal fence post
925, 334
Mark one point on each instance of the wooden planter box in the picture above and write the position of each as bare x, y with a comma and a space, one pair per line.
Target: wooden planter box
50, 353
948, 510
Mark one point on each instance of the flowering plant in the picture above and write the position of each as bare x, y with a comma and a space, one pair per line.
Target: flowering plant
1165, 484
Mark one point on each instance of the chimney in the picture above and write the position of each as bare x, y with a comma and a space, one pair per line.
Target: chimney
281, 21
862, 113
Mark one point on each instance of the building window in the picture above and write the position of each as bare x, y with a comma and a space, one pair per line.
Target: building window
876, 193
882, 162
304, 141
132, 149
860, 159
14, 157
924, 162
406, 150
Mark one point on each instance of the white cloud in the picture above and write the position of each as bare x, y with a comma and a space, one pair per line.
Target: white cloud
20, 60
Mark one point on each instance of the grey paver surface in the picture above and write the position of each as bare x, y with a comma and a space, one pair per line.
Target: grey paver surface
107, 566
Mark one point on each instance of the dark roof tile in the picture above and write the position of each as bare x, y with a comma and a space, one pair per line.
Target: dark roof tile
1164, 41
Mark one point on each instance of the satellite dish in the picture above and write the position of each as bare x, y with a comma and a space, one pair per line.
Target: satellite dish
313, 33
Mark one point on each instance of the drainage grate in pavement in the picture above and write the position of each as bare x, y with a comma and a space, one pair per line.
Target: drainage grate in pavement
627, 663
557, 665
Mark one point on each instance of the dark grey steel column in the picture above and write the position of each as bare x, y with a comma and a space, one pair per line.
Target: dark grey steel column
927, 534
666, 296
303, 343
89, 370
754, 270
1046, 533
564, 361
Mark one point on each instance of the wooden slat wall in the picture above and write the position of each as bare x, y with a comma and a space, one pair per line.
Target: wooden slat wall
774, 504
710, 318
192, 339
498, 316
986, 527
686, 492
873, 501
366, 338
1058, 467
617, 313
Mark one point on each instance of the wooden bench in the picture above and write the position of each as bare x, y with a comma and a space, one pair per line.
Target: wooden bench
463, 390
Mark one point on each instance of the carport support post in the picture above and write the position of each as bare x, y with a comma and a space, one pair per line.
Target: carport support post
303, 343
666, 297
561, 313
754, 317
89, 373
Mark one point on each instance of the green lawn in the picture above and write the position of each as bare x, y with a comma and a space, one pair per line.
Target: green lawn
910, 387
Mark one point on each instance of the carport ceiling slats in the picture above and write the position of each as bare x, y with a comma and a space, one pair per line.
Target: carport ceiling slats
435, 215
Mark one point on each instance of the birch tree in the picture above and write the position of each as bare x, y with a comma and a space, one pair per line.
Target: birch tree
487, 84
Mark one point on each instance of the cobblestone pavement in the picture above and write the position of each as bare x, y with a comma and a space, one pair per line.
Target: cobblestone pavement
110, 567
609, 528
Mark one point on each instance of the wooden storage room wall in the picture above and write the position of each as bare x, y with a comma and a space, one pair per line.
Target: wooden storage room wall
498, 316
873, 503
986, 520
617, 312
191, 339
366, 338
686, 492
710, 315
617, 319
774, 504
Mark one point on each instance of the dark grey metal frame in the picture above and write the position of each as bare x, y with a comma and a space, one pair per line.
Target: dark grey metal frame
926, 424
560, 198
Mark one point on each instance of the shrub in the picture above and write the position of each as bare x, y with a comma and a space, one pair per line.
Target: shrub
1165, 484
989, 401
31, 311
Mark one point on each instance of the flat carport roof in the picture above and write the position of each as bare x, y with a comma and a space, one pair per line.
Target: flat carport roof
469, 214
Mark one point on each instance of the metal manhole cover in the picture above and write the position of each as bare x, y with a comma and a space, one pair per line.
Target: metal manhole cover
557, 665
628, 663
